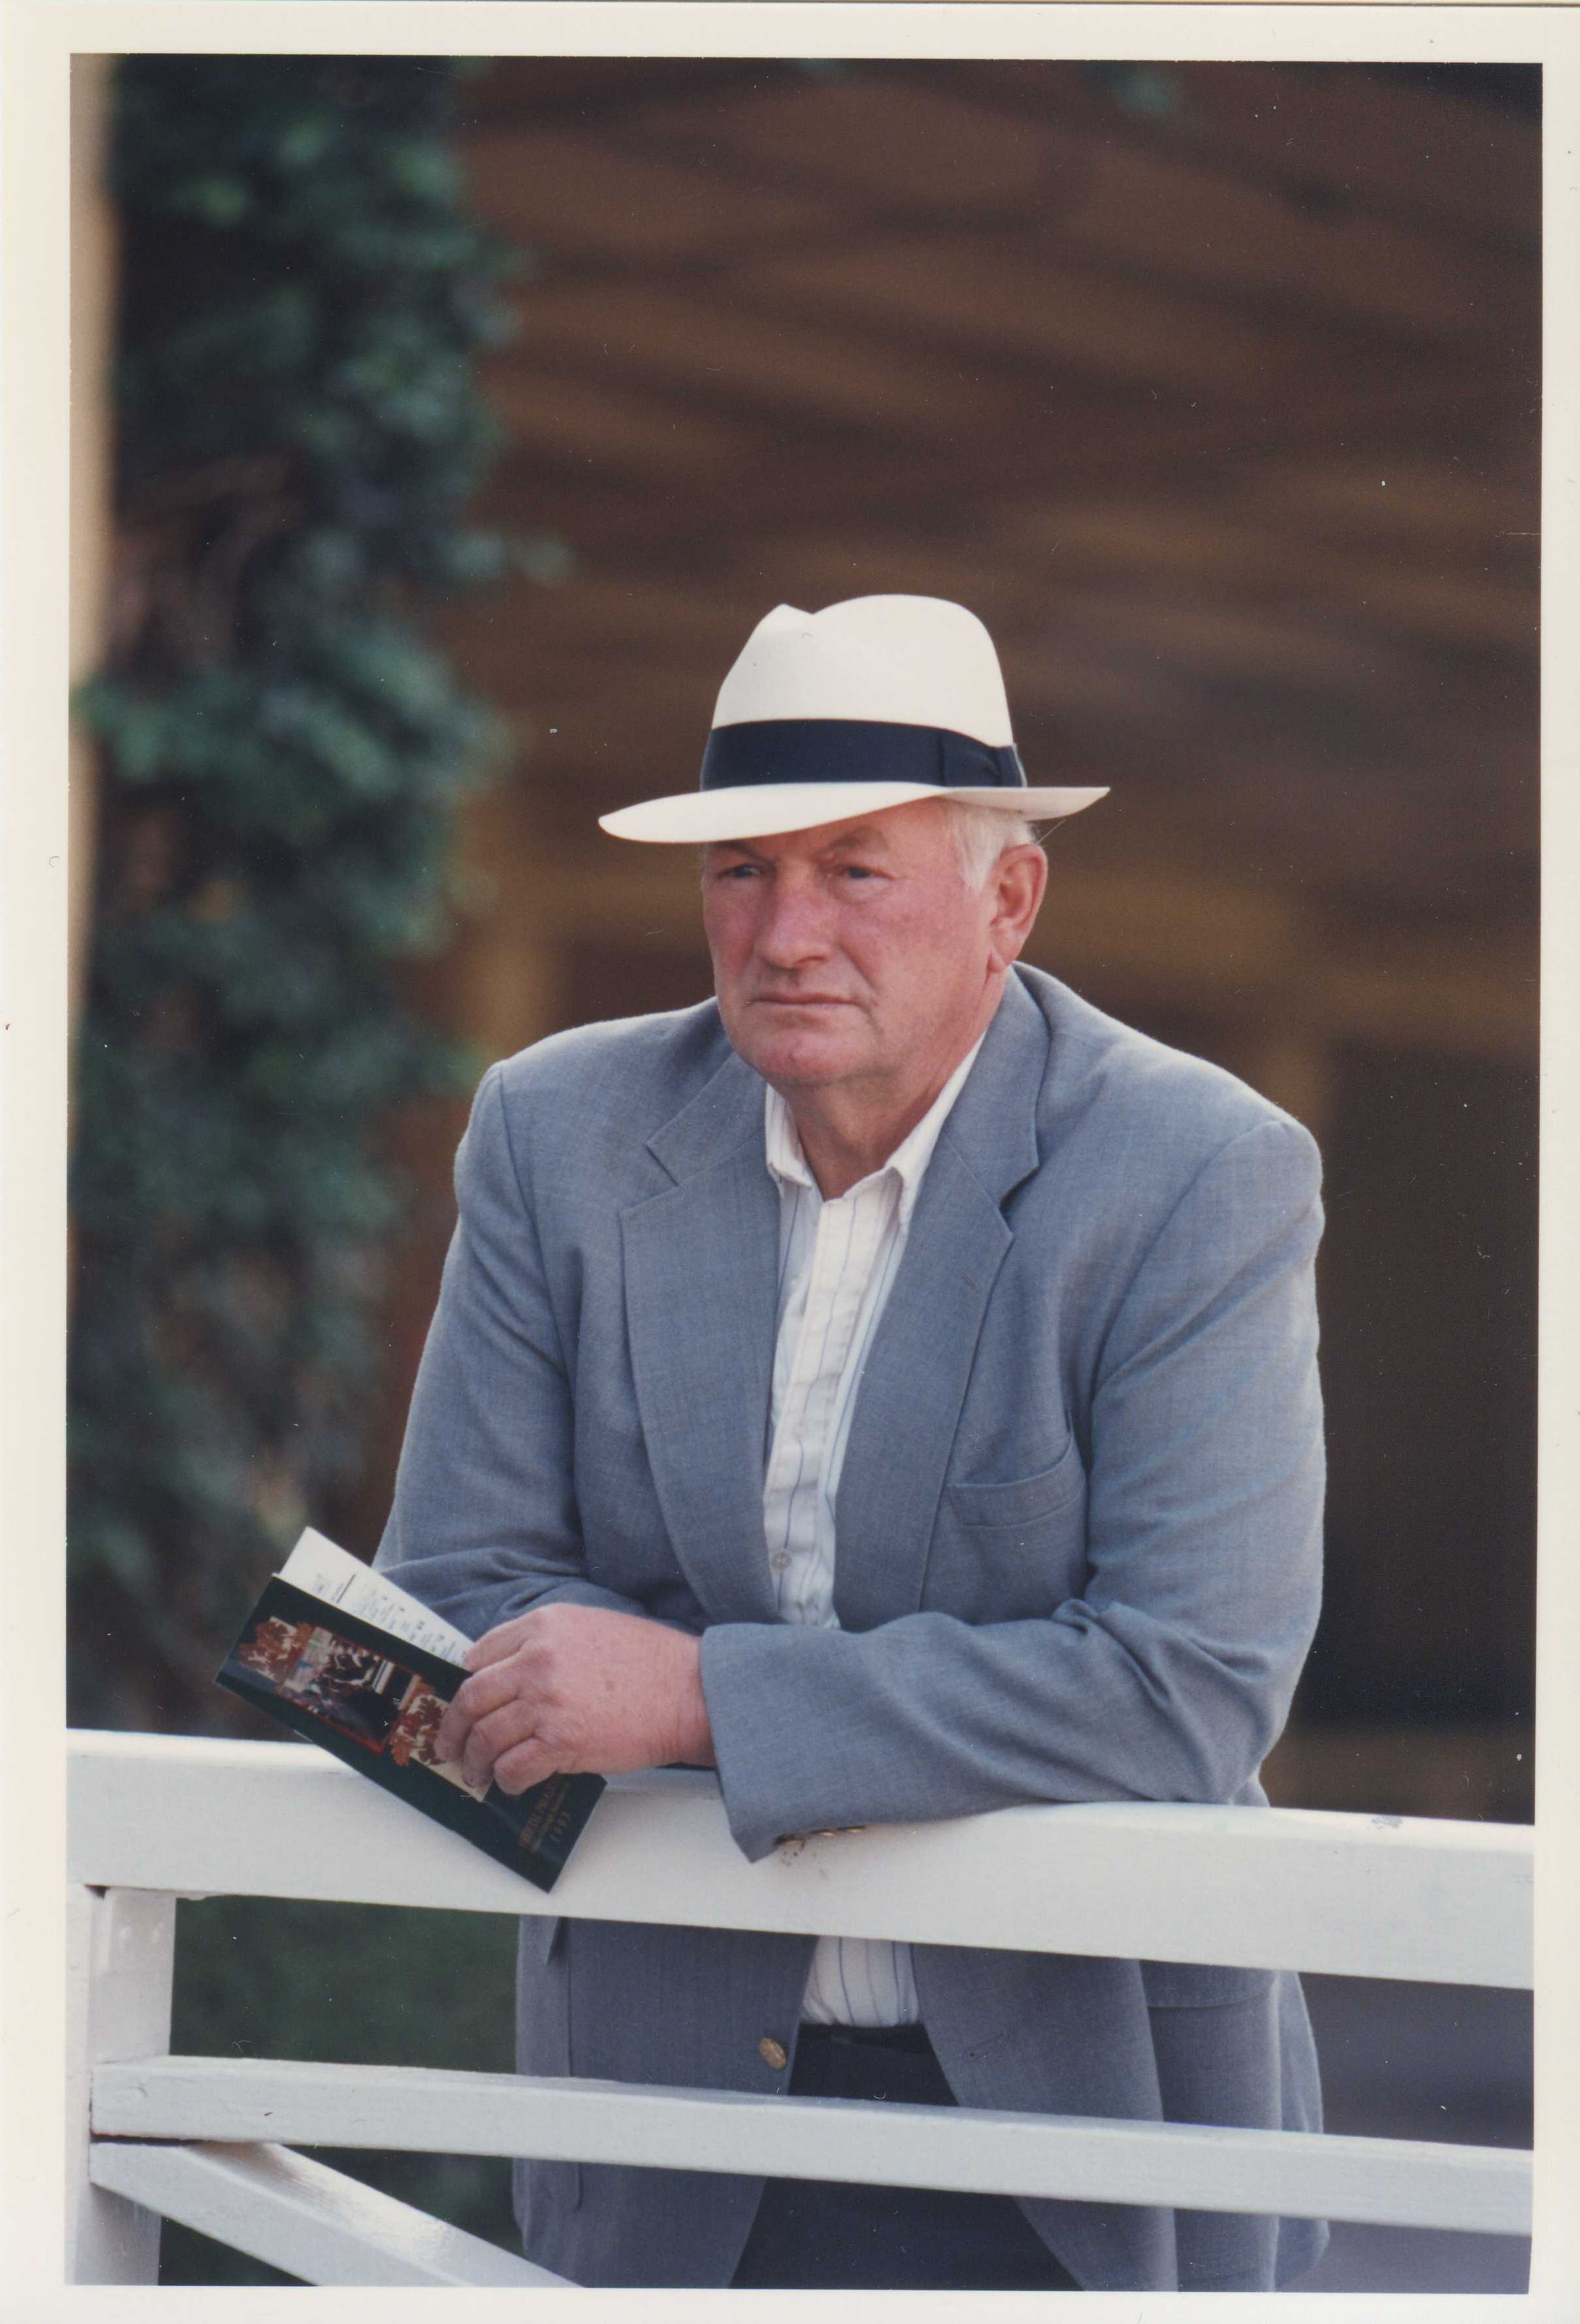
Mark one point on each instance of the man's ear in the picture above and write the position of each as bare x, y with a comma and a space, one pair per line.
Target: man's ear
1017, 881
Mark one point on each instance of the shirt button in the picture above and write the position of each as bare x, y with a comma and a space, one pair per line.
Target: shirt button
779, 1560
773, 2053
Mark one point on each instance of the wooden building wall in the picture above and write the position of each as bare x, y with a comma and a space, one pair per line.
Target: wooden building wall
1214, 390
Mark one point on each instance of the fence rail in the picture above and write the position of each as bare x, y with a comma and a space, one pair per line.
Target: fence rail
209, 2140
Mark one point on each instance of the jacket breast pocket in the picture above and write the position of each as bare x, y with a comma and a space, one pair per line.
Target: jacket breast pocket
1007, 1550
1021, 1501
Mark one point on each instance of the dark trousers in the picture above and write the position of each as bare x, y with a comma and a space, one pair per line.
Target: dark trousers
821, 2236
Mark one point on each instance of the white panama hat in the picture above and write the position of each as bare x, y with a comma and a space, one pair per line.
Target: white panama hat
870, 704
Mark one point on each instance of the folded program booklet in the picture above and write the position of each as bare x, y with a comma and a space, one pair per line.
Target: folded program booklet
338, 1653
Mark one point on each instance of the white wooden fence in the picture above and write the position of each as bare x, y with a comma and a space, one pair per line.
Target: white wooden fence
209, 2141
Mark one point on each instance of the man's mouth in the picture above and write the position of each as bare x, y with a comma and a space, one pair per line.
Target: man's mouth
803, 999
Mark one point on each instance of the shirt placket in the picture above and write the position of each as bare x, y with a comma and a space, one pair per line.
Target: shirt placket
800, 1557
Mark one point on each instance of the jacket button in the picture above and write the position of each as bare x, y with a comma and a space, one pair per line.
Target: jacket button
773, 2053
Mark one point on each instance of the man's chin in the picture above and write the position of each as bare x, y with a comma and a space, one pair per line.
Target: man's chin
800, 1056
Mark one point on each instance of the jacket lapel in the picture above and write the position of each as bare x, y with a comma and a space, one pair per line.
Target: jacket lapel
701, 1280
701, 1284
907, 1405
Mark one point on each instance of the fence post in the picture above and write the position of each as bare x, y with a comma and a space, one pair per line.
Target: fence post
119, 1961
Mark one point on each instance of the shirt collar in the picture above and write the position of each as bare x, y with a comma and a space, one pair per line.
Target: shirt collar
788, 1164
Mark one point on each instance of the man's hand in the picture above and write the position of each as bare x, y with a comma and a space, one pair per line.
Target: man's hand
577, 1689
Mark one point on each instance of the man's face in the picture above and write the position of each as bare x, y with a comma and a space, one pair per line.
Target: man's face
855, 952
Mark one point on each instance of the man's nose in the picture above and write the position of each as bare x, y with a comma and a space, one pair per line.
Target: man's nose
795, 928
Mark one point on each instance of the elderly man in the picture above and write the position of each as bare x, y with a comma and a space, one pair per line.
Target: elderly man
895, 1385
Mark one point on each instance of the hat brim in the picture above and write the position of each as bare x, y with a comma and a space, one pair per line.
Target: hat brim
754, 810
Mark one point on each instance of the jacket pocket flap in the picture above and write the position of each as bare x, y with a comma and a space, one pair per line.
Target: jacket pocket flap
1021, 1500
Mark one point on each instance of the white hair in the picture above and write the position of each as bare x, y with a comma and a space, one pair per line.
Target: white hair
981, 835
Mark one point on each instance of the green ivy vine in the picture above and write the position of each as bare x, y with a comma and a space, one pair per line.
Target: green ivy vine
303, 299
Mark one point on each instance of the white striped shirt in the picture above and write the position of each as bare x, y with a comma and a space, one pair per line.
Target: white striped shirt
837, 1261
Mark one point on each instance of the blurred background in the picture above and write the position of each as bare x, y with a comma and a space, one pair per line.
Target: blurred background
439, 430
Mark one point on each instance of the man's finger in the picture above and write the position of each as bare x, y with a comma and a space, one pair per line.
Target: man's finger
485, 1690
473, 1700
511, 1724
479, 1701
495, 1645
453, 1730
525, 1764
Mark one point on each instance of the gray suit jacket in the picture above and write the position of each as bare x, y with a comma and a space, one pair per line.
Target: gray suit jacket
1079, 1538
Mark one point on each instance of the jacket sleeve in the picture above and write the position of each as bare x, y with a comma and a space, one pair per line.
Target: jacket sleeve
1171, 1676
484, 1522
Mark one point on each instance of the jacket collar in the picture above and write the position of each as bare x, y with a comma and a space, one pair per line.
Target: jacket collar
726, 1110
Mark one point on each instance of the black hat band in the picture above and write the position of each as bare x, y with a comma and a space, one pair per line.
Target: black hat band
854, 750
